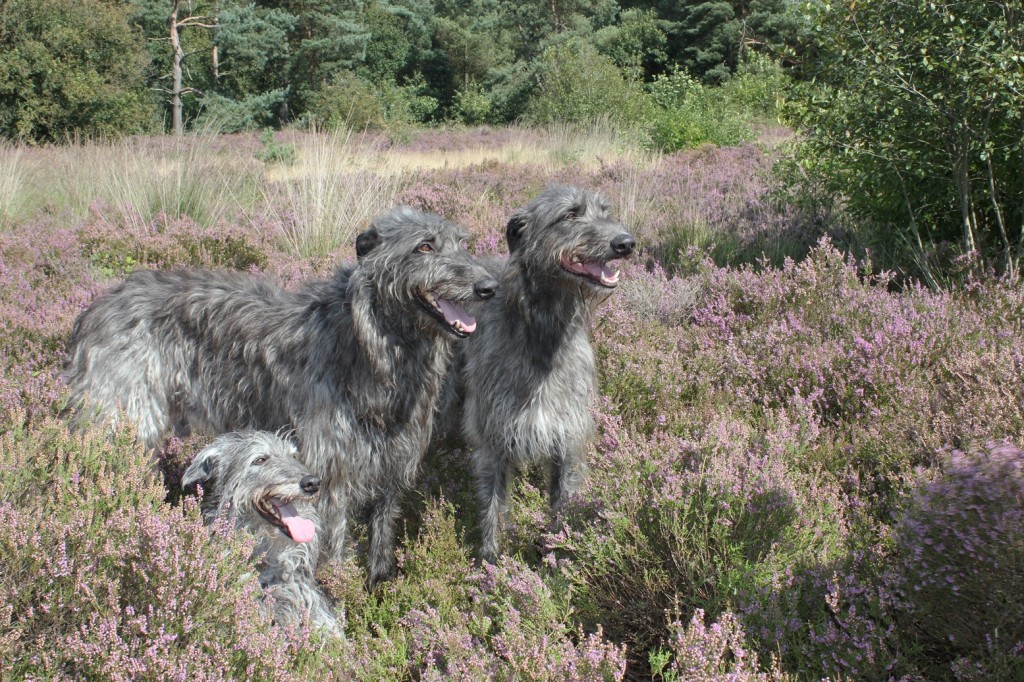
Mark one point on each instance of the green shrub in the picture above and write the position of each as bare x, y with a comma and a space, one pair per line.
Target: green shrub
406, 104
247, 113
70, 68
272, 152
348, 102
690, 114
471, 105
910, 112
578, 85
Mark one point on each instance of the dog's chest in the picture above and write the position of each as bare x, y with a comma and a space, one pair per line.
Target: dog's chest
552, 409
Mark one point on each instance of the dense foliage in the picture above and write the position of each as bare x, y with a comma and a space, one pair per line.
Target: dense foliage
801, 471
70, 68
278, 62
916, 117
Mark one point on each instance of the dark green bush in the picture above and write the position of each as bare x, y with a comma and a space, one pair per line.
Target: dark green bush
578, 85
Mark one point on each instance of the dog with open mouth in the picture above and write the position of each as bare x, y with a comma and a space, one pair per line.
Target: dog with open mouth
255, 480
522, 386
351, 365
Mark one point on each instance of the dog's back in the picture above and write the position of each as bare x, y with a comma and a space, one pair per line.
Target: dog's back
163, 344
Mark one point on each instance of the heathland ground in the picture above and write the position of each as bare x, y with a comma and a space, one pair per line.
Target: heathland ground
805, 467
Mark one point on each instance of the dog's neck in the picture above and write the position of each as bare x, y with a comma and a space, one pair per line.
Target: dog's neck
545, 303
405, 364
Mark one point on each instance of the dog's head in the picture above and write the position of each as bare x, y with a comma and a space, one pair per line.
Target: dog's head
256, 479
418, 264
567, 233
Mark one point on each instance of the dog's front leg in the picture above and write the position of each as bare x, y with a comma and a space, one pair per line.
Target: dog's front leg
334, 516
493, 469
384, 513
568, 470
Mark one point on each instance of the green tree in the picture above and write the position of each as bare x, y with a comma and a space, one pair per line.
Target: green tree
708, 38
70, 67
329, 37
637, 43
578, 84
249, 82
917, 117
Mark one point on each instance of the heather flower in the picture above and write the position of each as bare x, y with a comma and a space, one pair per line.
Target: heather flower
713, 653
961, 554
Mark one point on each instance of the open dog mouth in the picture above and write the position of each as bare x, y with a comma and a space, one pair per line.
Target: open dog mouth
282, 513
595, 271
453, 316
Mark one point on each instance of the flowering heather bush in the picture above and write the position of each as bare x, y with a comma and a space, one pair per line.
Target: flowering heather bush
689, 524
513, 630
715, 653
827, 366
961, 546
117, 585
767, 495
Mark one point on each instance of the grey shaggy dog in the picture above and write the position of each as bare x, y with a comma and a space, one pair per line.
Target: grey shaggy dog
255, 480
527, 378
352, 365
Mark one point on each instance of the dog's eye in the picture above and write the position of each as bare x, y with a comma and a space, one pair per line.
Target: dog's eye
569, 215
259, 460
425, 247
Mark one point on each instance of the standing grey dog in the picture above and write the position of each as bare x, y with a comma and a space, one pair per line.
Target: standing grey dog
527, 377
353, 365
255, 480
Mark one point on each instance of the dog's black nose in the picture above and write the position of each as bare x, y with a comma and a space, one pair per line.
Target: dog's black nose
310, 484
624, 244
485, 288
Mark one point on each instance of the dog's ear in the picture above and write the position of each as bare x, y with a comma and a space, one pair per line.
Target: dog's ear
203, 468
366, 242
514, 231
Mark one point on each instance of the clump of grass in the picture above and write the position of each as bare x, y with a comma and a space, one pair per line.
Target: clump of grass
132, 182
14, 183
334, 189
274, 152
600, 142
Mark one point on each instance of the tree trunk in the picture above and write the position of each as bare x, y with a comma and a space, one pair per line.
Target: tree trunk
177, 124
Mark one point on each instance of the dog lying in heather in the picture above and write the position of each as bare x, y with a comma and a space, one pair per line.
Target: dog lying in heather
255, 480
522, 386
353, 366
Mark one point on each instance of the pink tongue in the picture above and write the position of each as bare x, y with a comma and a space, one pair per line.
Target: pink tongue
602, 272
301, 529
453, 312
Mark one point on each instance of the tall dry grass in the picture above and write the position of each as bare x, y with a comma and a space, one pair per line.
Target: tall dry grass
333, 190
15, 176
338, 182
134, 181
600, 142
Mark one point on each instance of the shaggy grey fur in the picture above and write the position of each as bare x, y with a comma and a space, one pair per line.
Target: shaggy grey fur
247, 477
527, 378
353, 365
